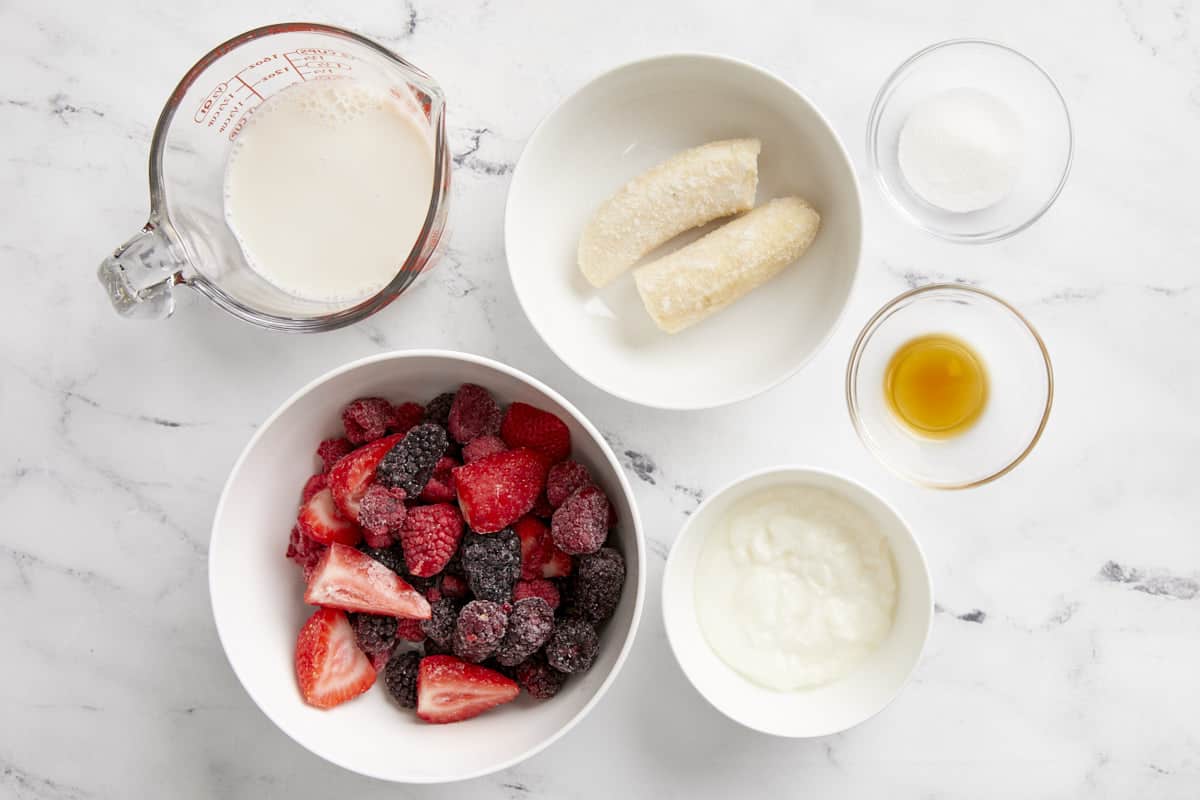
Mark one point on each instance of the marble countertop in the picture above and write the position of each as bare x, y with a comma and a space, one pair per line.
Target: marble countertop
1065, 652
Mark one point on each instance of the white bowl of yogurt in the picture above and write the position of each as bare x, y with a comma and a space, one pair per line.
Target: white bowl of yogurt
797, 602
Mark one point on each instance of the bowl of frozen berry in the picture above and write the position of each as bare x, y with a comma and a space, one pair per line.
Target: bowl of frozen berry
426, 566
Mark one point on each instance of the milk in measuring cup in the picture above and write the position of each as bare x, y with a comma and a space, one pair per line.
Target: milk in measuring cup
327, 188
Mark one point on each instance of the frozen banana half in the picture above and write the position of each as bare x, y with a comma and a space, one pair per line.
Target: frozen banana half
707, 275
684, 192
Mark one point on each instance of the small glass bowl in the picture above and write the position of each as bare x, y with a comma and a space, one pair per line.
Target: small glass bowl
1019, 83
1020, 386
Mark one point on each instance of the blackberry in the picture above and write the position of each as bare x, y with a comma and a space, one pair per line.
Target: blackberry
572, 646
375, 634
439, 628
595, 589
432, 648
480, 628
437, 410
529, 626
492, 563
390, 557
410, 463
538, 678
393, 558
400, 677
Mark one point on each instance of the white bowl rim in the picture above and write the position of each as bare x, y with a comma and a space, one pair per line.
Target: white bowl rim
623, 480
837, 476
855, 193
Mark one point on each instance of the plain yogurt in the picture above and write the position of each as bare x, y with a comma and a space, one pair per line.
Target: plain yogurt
794, 587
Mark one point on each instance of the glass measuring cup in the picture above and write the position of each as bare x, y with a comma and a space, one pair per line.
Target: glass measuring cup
187, 241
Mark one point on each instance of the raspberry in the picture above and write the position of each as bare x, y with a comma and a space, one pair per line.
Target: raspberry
529, 626
596, 588
572, 646
437, 410
439, 628
409, 630
311, 486
580, 525
381, 514
482, 446
433, 594
453, 586
304, 551
563, 479
410, 463
375, 635
400, 677
367, 419
330, 450
480, 629
527, 426
473, 413
430, 536
406, 416
492, 563
538, 587
538, 678
440, 488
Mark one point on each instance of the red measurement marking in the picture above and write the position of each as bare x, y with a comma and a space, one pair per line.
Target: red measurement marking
294, 67
248, 86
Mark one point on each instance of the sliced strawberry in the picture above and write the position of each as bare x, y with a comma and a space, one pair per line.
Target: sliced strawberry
538, 587
329, 666
499, 489
320, 520
429, 537
540, 558
451, 690
353, 581
528, 426
311, 486
353, 473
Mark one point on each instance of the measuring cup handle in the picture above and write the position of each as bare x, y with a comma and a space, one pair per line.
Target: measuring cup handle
141, 274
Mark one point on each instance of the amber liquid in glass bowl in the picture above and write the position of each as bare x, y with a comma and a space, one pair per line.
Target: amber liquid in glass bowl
936, 385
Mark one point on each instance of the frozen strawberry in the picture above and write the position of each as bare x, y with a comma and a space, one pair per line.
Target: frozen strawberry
482, 446
496, 491
311, 486
409, 630
351, 476
450, 690
304, 551
329, 666
430, 536
440, 488
405, 416
540, 557
381, 513
473, 413
527, 426
563, 479
580, 525
331, 451
367, 419
537, 588
353, 581
320, 520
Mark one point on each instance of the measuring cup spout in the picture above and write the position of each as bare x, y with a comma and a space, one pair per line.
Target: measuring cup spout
141, 274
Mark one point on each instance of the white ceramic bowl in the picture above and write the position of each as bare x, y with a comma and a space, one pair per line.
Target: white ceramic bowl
823, 710
257, 593
617, 126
